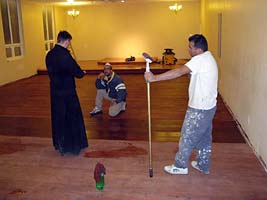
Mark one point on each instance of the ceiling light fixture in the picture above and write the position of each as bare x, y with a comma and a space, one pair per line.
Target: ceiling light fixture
176, 8
73, 13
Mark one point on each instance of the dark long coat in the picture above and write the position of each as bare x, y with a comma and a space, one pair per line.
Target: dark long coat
68, 130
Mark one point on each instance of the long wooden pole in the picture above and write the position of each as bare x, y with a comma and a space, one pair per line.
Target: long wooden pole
149, 131
149, 60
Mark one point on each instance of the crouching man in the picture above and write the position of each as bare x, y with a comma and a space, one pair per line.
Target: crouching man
111, 87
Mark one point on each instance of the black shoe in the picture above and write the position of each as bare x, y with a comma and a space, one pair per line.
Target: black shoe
76, 152
61, 152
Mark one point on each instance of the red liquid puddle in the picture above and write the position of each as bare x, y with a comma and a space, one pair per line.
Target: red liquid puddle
128, 151
10, 147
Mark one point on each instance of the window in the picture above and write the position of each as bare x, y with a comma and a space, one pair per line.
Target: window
49, 33
11, 20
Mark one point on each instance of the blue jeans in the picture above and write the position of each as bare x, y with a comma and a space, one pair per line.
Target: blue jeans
196, 134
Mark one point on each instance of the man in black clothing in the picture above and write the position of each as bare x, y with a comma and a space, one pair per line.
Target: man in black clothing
68, 130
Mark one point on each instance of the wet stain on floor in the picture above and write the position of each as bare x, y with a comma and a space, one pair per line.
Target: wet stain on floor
11, 147
128, 151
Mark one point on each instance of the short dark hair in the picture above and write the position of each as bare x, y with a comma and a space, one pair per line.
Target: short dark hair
63, 35
199, 41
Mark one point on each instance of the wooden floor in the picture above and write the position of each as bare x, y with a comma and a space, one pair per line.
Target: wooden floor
25, 111
31, 169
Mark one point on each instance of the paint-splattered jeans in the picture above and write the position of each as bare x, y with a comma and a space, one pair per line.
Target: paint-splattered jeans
196, 133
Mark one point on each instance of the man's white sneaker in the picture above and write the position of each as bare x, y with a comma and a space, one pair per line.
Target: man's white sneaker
171, 169
195, 166
95, 111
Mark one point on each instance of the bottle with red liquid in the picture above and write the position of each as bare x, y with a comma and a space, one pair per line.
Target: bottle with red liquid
99, 174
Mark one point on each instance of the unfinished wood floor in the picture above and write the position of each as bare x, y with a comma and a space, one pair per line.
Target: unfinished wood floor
30, 169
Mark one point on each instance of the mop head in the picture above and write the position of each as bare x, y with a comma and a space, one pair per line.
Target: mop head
147, 56
99, 168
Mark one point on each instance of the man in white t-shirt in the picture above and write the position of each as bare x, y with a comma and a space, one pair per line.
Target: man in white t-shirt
197, 126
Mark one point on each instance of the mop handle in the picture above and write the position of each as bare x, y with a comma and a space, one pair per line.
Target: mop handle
149, 130
148, 61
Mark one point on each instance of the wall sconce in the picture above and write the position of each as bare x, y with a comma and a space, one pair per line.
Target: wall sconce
73, 13
176, 8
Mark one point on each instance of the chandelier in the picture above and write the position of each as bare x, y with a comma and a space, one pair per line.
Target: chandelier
73, 12
176, 8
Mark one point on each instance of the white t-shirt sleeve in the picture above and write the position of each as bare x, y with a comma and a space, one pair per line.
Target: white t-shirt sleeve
196, 64
191, 64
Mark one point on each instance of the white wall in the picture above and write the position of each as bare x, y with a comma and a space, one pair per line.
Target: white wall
243, 65
123, 30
